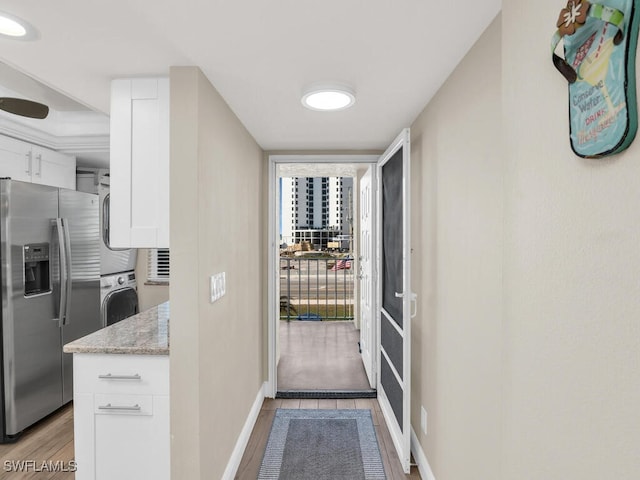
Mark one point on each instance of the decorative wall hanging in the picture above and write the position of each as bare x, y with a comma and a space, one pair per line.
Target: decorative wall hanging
600, 42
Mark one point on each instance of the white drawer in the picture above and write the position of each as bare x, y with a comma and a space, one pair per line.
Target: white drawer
121, 374
122, 404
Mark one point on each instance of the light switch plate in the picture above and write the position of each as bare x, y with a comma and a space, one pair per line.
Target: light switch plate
217, 286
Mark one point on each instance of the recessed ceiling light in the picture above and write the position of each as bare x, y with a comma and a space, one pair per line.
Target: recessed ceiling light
327, 98
16, 28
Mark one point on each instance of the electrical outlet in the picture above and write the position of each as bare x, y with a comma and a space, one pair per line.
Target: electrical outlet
423, 420
217, 286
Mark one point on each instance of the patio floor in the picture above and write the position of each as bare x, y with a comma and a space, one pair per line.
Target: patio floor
320, 355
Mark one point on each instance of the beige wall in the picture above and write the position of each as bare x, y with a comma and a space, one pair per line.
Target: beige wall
216, 226
526, 262
149, 295
457, 231
572, 263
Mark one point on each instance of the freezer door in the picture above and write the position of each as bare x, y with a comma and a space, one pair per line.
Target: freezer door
31, 366
80, 214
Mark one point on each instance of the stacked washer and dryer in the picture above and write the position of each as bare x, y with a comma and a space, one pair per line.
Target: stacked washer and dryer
118, 288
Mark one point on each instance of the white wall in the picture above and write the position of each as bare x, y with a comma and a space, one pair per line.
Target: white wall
457, 240
572, 281
216, 226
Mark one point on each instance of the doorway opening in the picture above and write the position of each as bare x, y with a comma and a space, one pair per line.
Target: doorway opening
386, 303
316, 290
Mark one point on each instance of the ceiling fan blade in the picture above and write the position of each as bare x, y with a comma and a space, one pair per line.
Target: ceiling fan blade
25, 108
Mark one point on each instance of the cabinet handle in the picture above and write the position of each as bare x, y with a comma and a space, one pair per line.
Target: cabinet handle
28, 169
131, 408
39, 158
109, 376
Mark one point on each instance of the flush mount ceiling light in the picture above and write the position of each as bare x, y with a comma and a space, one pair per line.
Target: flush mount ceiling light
15, 28
328, 98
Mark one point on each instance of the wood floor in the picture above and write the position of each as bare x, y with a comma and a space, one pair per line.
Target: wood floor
320, 356
43, 451
50, 441
250, 464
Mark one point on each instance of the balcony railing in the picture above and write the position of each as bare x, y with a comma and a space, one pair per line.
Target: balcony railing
316, 288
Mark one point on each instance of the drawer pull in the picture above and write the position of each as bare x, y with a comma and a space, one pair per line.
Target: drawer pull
108, 406
109, 376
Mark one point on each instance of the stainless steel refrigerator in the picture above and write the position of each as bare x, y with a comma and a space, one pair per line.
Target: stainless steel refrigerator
50, 289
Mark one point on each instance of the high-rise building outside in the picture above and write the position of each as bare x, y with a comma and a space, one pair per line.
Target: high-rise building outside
316, 209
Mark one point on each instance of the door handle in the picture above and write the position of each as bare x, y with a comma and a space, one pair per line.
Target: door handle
39, 158
414, 302
109, 376
68, 274
130, 408
62, 306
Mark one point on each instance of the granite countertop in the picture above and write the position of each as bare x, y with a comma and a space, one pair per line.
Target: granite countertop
146, 333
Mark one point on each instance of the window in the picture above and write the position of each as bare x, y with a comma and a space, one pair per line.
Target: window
158, 265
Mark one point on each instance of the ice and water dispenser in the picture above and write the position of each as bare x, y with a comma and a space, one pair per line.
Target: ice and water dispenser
36, 269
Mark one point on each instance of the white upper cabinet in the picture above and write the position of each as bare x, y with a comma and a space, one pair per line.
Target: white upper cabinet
29, 163
140, 163
53, 168
15, 159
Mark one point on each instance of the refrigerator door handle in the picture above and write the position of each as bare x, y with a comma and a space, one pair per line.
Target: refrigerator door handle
63, 271
68, 276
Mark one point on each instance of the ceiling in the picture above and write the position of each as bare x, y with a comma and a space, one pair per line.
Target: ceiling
14, 82
260, 55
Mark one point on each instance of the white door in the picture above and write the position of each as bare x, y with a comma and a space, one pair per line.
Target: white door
394, 296
366, 276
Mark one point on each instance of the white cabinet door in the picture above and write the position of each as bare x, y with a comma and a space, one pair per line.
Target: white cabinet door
15, 159
121, 417
131, 442
53, 168
140, 163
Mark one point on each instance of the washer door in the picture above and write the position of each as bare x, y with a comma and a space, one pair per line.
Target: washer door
119, 305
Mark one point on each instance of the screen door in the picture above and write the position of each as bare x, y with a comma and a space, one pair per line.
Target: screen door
394, 293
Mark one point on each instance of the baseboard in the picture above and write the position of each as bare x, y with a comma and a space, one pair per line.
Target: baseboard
420, 458
243, 439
